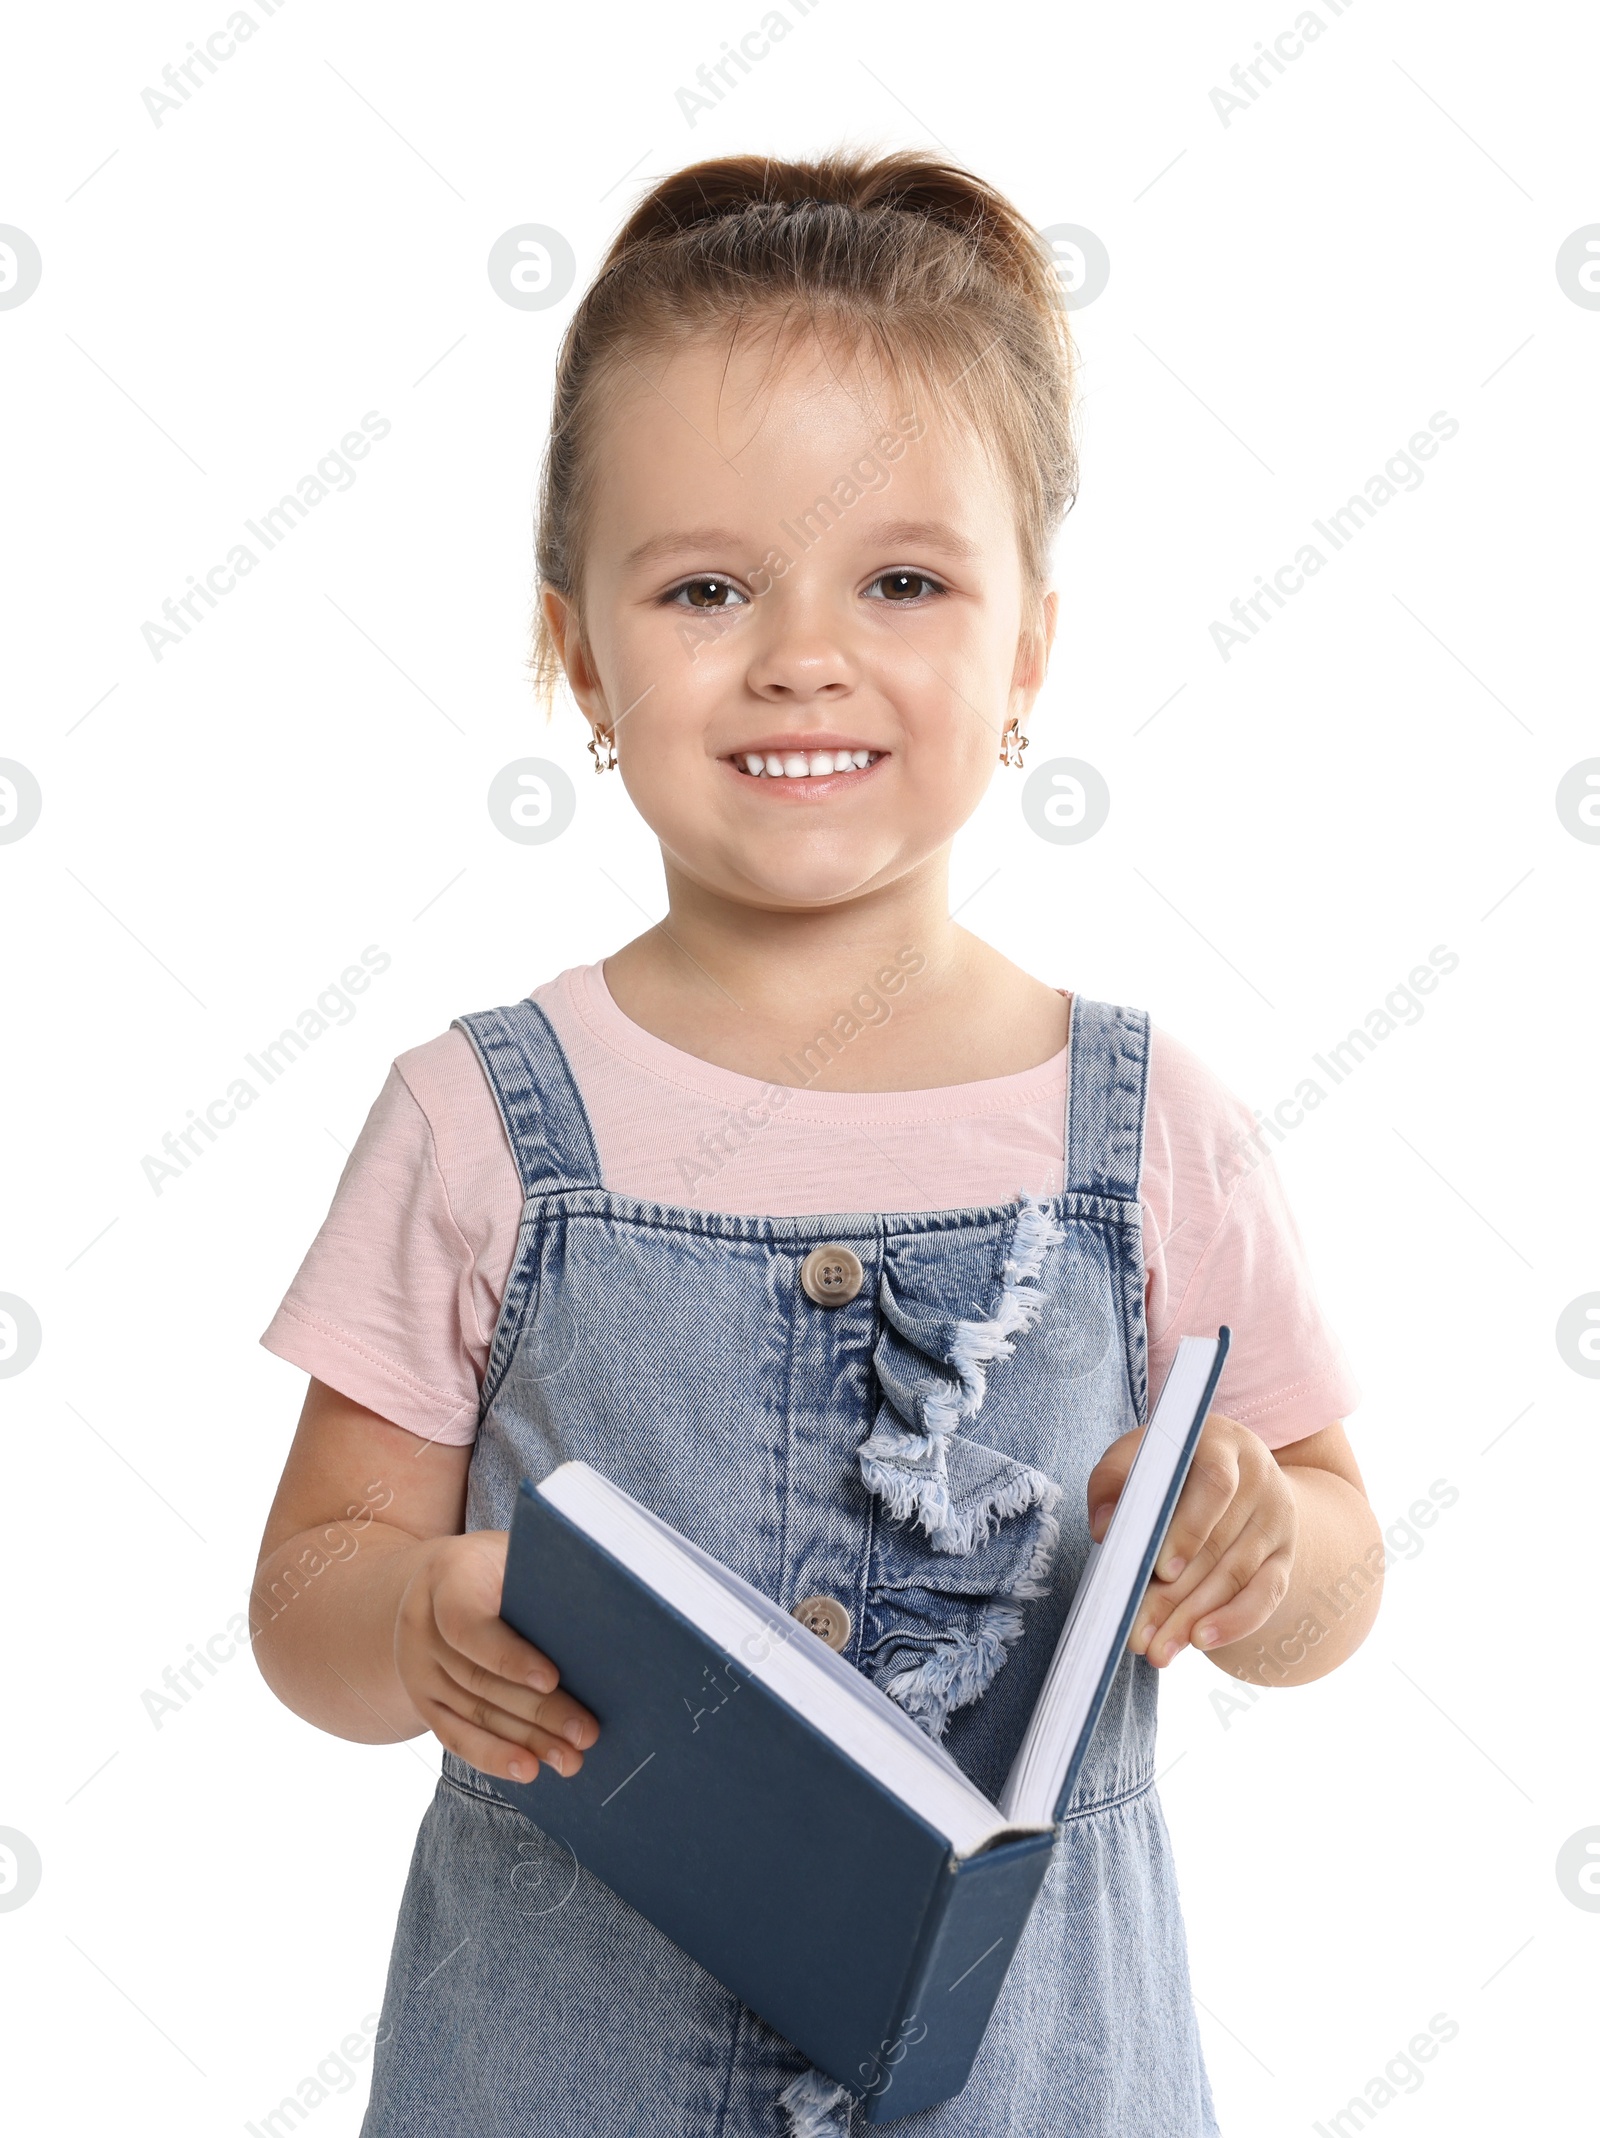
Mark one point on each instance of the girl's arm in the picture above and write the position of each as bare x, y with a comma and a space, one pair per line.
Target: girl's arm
375, 1618
1273, 1564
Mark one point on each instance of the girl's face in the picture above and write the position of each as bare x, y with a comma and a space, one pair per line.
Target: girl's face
789, 572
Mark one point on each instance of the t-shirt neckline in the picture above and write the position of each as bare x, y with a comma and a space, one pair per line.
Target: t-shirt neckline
593, 1002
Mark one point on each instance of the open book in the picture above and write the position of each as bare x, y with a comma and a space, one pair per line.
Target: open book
773, 1811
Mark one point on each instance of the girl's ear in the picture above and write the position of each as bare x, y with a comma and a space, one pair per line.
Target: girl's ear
1033, 657
566, 628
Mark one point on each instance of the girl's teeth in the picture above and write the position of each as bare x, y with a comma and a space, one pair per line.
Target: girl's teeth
814, 764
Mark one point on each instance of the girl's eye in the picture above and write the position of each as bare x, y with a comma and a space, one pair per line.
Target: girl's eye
904, 586
706, 594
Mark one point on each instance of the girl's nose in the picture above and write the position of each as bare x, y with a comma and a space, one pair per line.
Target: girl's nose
799, 660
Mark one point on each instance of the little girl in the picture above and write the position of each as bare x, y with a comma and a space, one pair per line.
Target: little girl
849, 1248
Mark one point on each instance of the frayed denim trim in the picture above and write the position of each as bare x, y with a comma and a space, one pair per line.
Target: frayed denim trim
1031, 1581
923, 1496
909, 1471
910, 1475
978, 1344
815, 2106
962, 1666
957, 1671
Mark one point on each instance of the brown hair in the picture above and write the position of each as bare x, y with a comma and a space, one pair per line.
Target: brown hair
922, 261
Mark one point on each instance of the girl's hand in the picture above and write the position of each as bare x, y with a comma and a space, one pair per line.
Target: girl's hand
487, 1694
1224, 1567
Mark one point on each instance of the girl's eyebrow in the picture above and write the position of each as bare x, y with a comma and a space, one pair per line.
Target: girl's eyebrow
890, 533
937, 532
679, 538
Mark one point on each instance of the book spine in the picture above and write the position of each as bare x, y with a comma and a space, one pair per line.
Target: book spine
975, 1922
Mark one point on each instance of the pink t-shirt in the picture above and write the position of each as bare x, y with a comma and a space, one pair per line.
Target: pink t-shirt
396, 1301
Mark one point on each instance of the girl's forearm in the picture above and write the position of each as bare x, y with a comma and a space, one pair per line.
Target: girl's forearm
322, 1616
1333, 1589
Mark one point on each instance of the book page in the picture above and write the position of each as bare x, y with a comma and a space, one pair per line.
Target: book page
1113, 1580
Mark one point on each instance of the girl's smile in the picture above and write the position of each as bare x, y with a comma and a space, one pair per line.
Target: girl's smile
807, 767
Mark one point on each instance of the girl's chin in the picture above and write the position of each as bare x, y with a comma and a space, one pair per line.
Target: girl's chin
751, 879
811, 896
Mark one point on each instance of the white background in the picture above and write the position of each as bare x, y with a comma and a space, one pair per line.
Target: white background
1291, 297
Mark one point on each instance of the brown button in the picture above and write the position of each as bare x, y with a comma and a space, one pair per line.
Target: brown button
831, 1276
827, 1618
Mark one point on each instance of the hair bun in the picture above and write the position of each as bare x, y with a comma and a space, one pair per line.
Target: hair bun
905, 182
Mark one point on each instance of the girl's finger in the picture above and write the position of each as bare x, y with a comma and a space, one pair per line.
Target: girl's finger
1240, 1527
1207, 1492
557, 1713
1222, 1565
1239, 1598
511, 1730
1107, 1479
488, 1641
1250, 1609
480, 1748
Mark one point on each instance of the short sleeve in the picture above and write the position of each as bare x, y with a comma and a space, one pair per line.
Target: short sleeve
395, 1302
1222, 1247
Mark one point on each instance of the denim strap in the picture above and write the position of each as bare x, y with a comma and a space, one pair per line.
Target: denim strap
1109, 1067
538, 1097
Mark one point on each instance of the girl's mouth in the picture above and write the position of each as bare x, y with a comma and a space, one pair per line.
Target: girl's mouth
805, 770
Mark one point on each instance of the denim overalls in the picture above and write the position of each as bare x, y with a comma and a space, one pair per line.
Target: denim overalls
916, 1453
